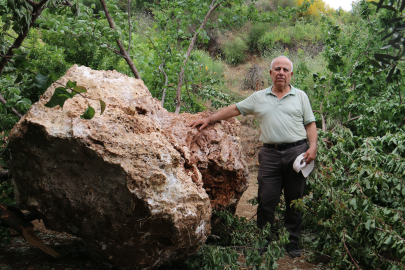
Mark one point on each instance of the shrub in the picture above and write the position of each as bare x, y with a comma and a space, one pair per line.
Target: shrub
256, 32
235, 51
210, 67
268, 41
301, 33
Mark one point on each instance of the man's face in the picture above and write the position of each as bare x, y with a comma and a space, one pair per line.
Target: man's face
281, 72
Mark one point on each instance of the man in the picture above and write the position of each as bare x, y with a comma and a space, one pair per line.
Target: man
287, 121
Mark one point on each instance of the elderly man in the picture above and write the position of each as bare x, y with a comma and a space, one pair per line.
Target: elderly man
287, 122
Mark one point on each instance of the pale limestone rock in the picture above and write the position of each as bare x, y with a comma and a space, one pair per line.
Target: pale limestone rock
136, 183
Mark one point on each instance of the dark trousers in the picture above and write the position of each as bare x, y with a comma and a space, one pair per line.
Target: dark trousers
276, 173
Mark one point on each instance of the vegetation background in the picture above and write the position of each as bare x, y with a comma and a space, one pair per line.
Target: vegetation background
349, 63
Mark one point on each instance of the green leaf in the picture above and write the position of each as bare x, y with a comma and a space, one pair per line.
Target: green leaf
388, 241
88, 114
353, 203
226, 258
367, 224
103, 105
59, 97
70, 84
17, 51
44, 81
79, 89
258, 260
18, 79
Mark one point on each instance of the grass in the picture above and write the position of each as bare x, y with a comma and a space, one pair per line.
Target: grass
301, 32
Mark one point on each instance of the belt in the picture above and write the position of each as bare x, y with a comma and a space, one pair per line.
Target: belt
283, 146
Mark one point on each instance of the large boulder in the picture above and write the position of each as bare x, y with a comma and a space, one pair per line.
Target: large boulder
135, 183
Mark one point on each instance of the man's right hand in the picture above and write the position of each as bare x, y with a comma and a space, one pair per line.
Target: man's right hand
202, 121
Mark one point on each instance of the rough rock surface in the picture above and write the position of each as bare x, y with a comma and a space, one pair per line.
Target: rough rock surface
136, 184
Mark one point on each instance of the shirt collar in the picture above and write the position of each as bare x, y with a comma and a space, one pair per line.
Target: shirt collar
292, 91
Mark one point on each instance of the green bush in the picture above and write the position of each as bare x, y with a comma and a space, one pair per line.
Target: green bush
256, 32
210, 67
235, 51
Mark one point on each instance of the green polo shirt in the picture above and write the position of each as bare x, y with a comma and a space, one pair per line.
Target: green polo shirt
281, 120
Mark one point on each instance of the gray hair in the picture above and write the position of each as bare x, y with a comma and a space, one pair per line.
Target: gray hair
292, 66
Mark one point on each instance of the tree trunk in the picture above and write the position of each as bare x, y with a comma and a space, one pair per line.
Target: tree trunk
122, 50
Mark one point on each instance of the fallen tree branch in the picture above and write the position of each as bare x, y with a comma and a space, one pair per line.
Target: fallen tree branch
344, 243
12, 217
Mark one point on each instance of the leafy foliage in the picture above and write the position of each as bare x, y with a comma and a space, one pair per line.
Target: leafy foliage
392, 35
356, 201
232, 233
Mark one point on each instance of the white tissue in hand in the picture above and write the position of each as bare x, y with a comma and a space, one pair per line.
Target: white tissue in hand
305, 168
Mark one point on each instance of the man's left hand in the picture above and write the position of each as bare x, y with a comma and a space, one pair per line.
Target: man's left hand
310, 155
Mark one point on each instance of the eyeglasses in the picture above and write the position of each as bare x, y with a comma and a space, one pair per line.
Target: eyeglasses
278, 69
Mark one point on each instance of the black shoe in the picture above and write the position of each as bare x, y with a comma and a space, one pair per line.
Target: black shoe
293, 250
264, 249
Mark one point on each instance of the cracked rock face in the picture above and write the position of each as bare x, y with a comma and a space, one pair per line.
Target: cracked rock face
136, 183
